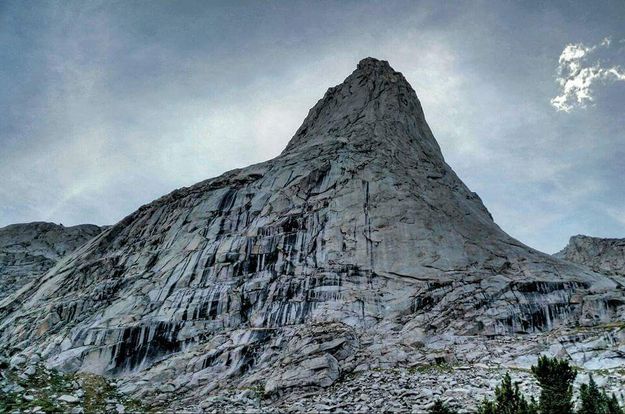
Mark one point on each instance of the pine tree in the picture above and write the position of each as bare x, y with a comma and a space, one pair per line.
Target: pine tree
612, 405
592, 400
508, 400
487, 407
555, 378
533, 406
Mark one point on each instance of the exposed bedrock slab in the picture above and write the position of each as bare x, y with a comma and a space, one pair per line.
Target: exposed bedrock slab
357, 245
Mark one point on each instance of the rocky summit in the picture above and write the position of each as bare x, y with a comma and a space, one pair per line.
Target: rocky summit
356, 258
601, 255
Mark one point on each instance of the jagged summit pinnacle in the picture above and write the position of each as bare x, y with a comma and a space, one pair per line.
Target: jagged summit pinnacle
373, 102
373, 64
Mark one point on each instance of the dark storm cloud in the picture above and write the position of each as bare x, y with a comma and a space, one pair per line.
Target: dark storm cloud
108, 105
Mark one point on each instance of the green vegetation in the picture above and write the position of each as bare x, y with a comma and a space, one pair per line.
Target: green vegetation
42, 390
555, 378
35, 390
440, 407
508, 400
437, 367
595, 401
556, 382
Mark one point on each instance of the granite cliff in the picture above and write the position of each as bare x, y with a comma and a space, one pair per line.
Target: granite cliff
28, 250
600, 254
357, 247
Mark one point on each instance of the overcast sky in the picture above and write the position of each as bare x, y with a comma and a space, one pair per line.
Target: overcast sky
105, 106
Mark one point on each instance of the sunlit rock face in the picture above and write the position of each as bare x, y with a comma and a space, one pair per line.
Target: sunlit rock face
29, 250
601, 255
356, 247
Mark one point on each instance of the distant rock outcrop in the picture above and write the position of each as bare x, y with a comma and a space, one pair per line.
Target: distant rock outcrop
601, 255
356, 248
29, 250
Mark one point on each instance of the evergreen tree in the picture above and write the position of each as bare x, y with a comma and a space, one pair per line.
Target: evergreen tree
612, 405
555, 378
487, 407
592, 400
439, 407
533, 406
508, 400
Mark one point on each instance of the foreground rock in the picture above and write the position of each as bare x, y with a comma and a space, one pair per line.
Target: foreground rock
400, 390
357, 248
32, 388
29, 250
433, 373
601, 255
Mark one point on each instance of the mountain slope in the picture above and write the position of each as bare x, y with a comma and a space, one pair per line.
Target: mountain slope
357, 243
28, 250
599, 254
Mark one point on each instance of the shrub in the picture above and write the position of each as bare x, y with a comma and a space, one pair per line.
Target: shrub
440, 407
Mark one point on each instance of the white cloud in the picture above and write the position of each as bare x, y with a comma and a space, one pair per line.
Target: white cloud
576, 75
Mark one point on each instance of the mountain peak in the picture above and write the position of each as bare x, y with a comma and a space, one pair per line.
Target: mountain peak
374, 65
358, 247
373, 96
379, 72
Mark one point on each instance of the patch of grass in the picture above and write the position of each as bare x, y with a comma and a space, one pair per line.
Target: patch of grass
9, 402
46, 385
443, 367
46, 405
41, 385
604, 326
519, 369
97, 390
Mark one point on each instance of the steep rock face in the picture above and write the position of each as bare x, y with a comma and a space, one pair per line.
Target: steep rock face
358, 241
601, 255
28, 250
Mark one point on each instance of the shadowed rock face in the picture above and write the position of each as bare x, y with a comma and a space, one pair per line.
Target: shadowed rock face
29, 250
601, 255
358, 241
